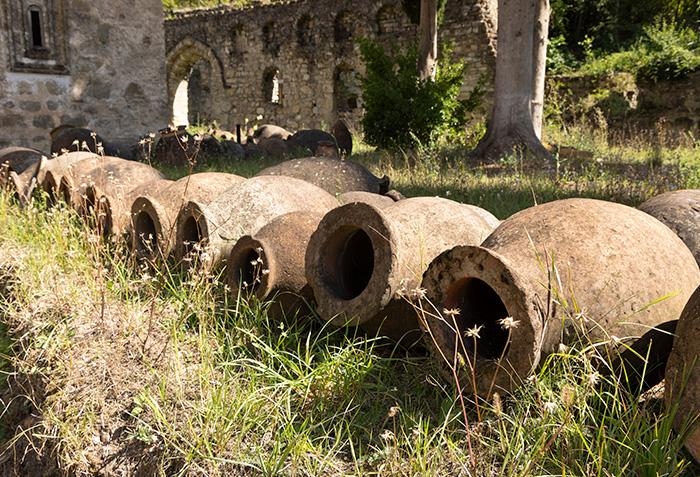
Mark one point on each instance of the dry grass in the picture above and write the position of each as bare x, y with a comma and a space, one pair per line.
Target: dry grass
117, 370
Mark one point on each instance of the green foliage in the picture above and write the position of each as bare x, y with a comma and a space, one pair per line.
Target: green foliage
170, 5
412, 9
615, 24
672, 52
663, 52
560, 59
401, 111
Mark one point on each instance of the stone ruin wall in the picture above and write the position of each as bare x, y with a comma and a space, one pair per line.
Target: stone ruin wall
297, 64
101, 66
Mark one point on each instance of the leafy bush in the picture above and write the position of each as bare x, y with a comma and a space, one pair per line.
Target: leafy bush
672, 53
560, 60
401, 111
664, 52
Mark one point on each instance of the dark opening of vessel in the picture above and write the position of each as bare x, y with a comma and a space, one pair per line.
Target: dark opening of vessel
480, 308
348, 262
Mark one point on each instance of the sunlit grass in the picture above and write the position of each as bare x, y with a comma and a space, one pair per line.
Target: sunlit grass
171, 368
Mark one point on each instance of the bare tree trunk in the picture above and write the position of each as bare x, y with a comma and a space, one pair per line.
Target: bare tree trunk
539, 63
510, 126
427, 54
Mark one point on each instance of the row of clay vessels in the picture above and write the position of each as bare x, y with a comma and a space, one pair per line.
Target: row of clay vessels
490, 299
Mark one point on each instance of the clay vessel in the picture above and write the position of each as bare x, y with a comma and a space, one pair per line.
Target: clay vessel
333, 175
377, 200
270, 264
154, 213
679, 210
570, 271
206, 234
19, 159
102, 189
362, 262
309, 139
683, 375
267, 131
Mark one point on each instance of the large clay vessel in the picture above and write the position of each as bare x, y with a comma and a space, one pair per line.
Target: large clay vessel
53, 171
309, 139
103, 189
575, 269
333, 175
679, 210
380, 201
176, 147
683, 375
363, 262
19, 159
270, 263
154, 213
70, 139
103, 172
206, 234
268, 131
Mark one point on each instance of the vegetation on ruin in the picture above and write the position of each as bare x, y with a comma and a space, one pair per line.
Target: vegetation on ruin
181, 378
172, 5
400, 110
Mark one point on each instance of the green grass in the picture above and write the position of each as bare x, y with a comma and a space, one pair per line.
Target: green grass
178, 377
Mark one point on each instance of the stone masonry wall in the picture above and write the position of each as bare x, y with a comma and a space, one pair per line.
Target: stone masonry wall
308, 49
111, 77
632, 106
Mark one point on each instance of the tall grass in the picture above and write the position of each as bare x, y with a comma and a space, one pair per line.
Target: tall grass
150, 369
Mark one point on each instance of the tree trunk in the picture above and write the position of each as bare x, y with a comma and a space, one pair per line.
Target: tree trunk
427, 55
511, 126
539, 66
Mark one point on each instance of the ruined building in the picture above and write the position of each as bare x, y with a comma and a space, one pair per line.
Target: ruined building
297, 64
93, 63
114, 67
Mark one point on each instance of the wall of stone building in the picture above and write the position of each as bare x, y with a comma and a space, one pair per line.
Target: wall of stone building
312, 44
630, 106
112, 76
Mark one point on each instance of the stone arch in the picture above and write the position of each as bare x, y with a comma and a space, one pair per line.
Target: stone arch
181, 61
346, 89
343, 28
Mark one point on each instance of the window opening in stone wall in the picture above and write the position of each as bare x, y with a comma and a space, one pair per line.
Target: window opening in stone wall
271, 43
37, 34
238, 45
304, 31
343, 27
346, 89
272, 91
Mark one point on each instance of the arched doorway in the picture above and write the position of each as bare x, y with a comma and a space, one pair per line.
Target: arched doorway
194, 82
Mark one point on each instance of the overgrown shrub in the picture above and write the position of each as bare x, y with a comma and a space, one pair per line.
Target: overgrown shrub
663, 52
401, 111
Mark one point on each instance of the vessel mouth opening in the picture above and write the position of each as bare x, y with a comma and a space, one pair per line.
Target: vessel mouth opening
63, 191
145, 230
248, 270
52, 191
348, 262
192, 236
103, 216
480, 308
